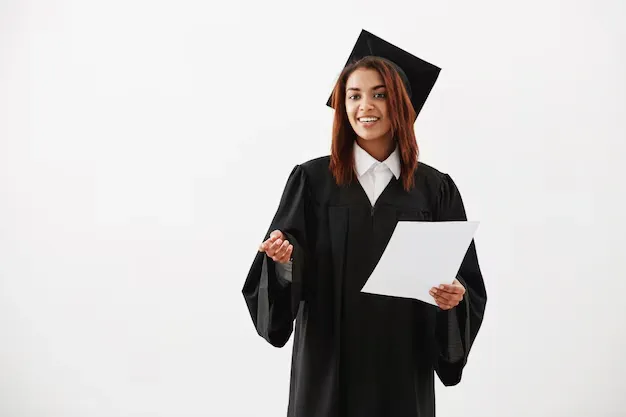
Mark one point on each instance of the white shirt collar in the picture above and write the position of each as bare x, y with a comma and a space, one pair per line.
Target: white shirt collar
364, 161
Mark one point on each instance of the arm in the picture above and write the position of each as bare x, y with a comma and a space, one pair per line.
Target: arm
273, 291
457, 329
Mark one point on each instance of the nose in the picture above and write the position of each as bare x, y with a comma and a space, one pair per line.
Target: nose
366, 104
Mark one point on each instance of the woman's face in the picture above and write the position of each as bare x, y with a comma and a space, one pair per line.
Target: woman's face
366, 104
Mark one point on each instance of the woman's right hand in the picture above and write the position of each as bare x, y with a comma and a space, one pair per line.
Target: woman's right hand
277, 248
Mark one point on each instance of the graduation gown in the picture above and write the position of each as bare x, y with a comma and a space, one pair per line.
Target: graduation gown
358, 354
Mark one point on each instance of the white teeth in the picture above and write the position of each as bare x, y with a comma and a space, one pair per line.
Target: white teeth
368, 119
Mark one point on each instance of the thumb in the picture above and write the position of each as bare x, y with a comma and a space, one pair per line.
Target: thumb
276, 234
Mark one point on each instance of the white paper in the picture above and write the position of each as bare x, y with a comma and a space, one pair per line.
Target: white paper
419, 256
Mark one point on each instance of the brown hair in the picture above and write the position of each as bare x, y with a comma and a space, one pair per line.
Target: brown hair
400, 112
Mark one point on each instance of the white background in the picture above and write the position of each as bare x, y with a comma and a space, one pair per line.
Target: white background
144, 147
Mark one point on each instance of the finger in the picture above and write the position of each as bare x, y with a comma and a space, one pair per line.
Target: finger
438, 292
452, 301
276, 234
452, 288
271, 251
444, 301
443, 306
272, 238
456, 295
265, 246
441, 302
287, 256
280, 252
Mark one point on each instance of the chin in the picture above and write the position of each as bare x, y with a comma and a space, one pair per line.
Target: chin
370, 136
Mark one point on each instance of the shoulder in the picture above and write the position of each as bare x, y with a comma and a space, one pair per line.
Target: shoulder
442, 192
311, 170
316, 177
316, 167
316, 171
430, 179
427, 171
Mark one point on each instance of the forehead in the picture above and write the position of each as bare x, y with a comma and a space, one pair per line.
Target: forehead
364, 78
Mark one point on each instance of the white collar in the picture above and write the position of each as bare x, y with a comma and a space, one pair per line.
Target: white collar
364, 161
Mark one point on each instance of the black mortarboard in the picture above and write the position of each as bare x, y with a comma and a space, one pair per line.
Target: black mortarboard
418, 75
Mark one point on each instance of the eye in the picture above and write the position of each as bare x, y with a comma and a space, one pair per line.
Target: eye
380, 95
353, 97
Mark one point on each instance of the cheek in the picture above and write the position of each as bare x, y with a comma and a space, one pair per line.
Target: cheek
350, 112
385, 115
350, 108
383, 111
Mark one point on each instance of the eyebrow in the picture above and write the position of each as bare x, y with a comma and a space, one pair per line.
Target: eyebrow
358, 89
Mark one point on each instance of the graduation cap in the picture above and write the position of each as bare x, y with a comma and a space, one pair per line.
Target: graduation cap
418, 75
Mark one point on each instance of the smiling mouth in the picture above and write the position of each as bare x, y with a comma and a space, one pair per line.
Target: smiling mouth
367, 119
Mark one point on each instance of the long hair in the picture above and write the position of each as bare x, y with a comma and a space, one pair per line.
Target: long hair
401, 114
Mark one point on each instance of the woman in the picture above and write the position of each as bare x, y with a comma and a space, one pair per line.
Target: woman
359, 354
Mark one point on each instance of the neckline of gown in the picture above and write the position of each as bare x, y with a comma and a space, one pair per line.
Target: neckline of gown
363, 199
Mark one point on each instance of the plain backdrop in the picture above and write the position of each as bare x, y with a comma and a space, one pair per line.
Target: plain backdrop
144, 146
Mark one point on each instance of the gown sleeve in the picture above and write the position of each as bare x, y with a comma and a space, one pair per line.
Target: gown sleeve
272, 291
456, 329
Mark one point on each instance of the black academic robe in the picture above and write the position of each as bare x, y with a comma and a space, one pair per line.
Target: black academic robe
358, 354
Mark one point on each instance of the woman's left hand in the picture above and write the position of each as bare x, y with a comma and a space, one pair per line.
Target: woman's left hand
448, 296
